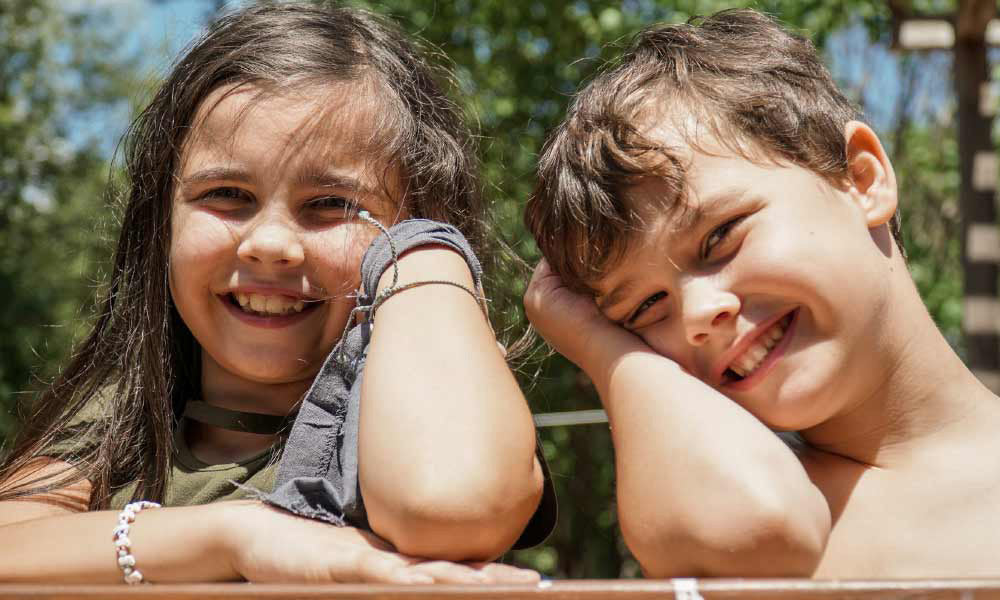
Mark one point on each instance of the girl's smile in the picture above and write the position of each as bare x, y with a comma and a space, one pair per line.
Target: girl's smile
265, 247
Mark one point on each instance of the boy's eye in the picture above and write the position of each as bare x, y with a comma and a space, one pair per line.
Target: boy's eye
646, 304
717, 236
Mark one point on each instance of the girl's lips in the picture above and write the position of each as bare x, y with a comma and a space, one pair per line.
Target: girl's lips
271, 322
769, 361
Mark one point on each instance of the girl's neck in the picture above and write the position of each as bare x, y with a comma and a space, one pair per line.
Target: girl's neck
214, 445
920, 397
221, 388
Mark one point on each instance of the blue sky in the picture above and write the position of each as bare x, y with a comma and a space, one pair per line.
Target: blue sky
157, 30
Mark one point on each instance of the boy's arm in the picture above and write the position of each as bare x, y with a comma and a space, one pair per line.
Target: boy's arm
703, 487
446, 441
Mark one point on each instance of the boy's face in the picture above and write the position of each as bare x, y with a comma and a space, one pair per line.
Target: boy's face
771, 287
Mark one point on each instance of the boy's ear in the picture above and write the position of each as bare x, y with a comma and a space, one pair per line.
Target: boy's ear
872, 180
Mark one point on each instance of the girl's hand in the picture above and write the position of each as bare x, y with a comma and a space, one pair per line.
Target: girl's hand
271, 545
568, 321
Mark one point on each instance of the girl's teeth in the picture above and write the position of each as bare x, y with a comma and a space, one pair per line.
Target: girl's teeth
269, 305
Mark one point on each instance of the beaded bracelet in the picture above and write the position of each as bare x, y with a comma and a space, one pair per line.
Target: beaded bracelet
123, 545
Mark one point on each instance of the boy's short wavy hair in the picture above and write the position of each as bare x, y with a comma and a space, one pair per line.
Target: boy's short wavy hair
755, 88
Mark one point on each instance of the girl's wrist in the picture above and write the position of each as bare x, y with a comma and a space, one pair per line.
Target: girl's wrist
428, 262
236, 528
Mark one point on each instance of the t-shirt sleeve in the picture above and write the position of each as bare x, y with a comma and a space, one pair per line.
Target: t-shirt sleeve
544, 520
83, 434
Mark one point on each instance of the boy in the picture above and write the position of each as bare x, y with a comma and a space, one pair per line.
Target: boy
722, 259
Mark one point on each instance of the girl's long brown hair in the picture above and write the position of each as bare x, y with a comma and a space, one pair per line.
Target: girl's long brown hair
140, 362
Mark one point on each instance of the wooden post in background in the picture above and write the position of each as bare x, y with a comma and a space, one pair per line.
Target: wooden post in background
968, 34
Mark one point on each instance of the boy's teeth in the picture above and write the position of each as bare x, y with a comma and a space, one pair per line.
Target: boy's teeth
269, 305
755, 354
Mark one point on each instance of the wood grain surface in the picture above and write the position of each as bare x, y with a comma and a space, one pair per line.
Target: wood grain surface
708, 589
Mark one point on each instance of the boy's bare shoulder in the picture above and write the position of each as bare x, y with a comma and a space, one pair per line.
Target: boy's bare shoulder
934, 517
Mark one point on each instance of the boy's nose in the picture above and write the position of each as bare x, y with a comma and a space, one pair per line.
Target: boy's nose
271, 243
707, 309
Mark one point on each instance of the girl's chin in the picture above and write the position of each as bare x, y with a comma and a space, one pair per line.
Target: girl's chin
273, 372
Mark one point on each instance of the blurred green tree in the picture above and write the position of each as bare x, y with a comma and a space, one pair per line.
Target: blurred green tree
54, 72
517, 64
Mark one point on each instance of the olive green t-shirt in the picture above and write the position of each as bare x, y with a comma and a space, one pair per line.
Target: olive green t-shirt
194, 482
191, 481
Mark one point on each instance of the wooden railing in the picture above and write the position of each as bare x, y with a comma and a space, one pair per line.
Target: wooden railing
707, 589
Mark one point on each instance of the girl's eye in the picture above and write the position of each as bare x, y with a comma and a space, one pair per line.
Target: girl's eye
646, 304
329, 203
717, 236
226, 198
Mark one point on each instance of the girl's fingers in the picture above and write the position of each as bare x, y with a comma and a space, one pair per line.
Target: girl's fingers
501, 573
449, 572
386, 567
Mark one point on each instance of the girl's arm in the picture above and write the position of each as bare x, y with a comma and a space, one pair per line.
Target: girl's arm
446, 457
55, 542
703, 487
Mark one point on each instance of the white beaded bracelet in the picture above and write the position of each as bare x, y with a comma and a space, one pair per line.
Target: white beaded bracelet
123, 545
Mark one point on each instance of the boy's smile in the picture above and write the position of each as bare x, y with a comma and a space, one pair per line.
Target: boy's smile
766, 285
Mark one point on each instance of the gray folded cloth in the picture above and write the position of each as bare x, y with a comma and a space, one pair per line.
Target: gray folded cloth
318, 472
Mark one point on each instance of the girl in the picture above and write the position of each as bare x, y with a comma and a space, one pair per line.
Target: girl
266, 164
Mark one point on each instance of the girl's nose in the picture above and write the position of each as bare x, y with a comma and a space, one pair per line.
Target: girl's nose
707, 309
271, 243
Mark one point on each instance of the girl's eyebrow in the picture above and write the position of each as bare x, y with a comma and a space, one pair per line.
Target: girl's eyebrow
217, 174
311, 179
331, 180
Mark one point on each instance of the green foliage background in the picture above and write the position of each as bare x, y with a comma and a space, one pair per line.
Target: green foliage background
517, 64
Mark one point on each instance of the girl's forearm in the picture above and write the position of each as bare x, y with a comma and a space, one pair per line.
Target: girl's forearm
703, 486
446, 441
169, 544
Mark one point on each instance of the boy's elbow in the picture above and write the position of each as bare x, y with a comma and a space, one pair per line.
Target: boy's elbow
458, 522
766, 540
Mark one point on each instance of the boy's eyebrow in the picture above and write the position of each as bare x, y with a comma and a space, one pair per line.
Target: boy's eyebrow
616, 296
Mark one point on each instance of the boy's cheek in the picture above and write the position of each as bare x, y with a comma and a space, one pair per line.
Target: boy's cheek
657, 341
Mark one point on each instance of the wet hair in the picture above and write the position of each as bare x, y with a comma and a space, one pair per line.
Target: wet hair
140, 362
756, 89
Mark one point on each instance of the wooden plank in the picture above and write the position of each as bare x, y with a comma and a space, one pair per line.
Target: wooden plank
982, 242
926, 34
708, 589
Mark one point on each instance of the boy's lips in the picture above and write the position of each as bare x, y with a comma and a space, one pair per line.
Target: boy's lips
753, 341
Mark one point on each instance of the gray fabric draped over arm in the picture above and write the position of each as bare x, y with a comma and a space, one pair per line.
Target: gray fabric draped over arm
318, 472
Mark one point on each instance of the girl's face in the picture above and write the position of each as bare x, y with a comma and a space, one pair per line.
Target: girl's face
264, 256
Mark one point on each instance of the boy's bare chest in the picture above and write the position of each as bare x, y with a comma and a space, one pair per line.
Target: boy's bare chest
938, 521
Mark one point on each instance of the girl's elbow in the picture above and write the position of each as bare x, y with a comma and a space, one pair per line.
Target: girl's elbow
460, 522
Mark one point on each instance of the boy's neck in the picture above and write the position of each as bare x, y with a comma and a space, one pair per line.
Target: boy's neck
922, 396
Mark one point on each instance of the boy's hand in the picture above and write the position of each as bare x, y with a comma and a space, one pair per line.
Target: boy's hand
568, 321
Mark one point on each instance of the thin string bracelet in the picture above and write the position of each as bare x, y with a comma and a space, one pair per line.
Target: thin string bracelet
123, 545
390, 292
